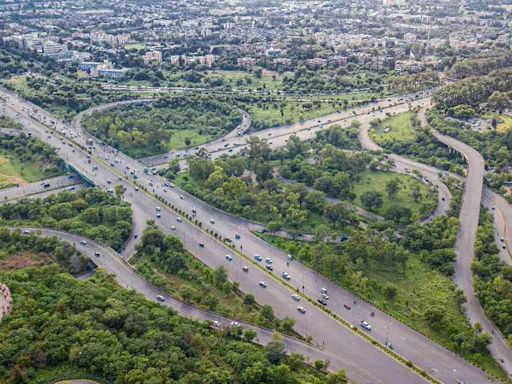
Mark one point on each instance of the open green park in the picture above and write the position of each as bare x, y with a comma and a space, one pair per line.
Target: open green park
412, 194
26, 160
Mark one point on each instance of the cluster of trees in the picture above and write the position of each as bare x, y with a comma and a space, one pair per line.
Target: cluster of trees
32, 152
479, 66
60, 95
89, 212
197, 283
382, 265
147, 129
493, 279
413, 82
95, 326
13, 243
495, 147
6, 122
330, 81
494, 89
262, 197
434, 242
334, 172
425, 148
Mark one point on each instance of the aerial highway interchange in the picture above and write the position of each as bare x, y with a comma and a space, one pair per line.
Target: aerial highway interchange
364, 363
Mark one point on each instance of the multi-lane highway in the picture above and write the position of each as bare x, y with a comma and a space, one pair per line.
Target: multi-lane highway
364, 362
109, 260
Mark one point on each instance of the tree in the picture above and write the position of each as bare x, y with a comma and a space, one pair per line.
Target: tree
372, 199
267, 312
275, 350
200, 169
119, 190
392, 187
391, 291
316, 201
398, 214
249, 299
287, 325
337, 378
434, 315
220, 276
499, 101
211, 302
339, 214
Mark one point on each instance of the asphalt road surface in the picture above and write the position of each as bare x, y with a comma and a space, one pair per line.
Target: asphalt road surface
364, 362
113, 263
464, 247
40, 188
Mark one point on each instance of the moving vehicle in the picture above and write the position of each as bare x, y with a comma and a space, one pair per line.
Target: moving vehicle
245, 268
366, 325
296, 297
301, 309
160, 298
286, 276
229, 257
263, 284
347, 306
97, 254
322, 301
258, 257
83, 242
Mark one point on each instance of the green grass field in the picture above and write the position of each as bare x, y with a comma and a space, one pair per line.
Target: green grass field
395, 129
504, 121
13, 172
178, 138
376, 181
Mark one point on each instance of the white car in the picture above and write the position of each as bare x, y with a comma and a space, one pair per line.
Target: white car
212, 221
229, 257
263, 284
83, 242
268, 260
323, 290
179, 219
301, 309
26, 232
173, 227
160, 298
286, 275
366, 325
234, 324
158, 209
296, 297
325, 296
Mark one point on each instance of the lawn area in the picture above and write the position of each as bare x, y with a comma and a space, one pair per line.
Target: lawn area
504, 121
20, 84
13, 171
178, 137
376, 181
289, 110
244, 80
395, 129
